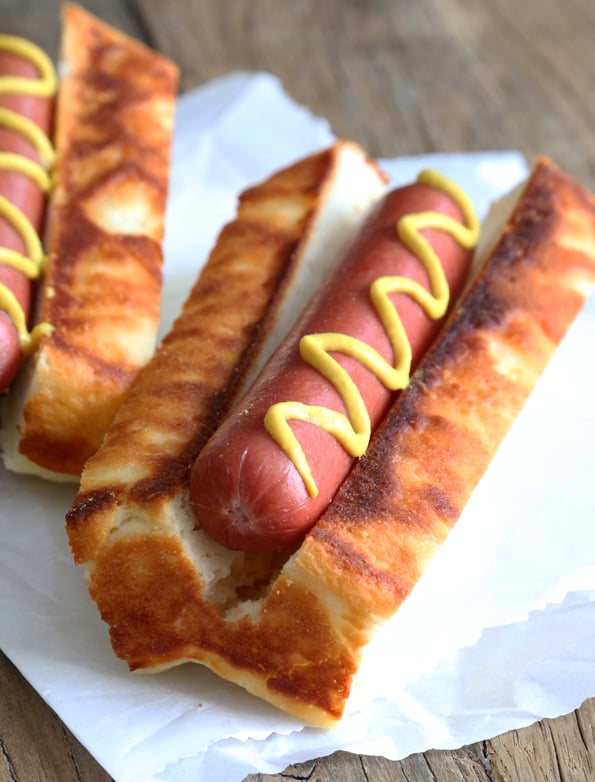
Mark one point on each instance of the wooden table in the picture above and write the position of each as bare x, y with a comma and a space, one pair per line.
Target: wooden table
400, 78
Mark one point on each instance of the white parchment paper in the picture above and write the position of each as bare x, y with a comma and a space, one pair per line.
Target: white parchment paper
499, 632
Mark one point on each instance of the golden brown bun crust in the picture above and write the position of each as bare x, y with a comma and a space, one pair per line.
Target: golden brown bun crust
114, 128
291, 627
290, 657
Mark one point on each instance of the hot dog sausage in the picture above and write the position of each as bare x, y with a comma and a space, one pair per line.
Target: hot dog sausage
24, 193
245, 491
10, 348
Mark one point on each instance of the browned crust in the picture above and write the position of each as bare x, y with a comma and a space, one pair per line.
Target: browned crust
288, 657
113, 139
302, 646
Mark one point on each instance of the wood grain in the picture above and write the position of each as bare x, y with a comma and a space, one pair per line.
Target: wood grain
407, 78
400, 78
35, 746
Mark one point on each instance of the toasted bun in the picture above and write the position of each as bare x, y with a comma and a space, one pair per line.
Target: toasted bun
290, 627
102, 290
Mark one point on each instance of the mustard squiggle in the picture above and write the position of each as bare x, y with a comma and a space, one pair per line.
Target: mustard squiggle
353, 430
43, 87
34, 262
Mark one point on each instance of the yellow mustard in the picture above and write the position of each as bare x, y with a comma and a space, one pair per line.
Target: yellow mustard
353, 431
34, 262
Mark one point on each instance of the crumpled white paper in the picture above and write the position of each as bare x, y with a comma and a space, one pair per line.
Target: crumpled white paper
498, 633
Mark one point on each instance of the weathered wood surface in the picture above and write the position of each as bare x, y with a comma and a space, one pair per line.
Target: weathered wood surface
400, 78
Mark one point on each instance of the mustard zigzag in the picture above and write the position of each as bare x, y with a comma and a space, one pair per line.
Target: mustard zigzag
353, 431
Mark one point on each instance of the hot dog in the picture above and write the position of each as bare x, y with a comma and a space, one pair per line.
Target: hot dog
170, 593
246, 492
99, 297
291, 625
24, 190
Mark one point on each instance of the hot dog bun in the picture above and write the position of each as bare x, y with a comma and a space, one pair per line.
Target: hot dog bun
291, 627
102, 290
